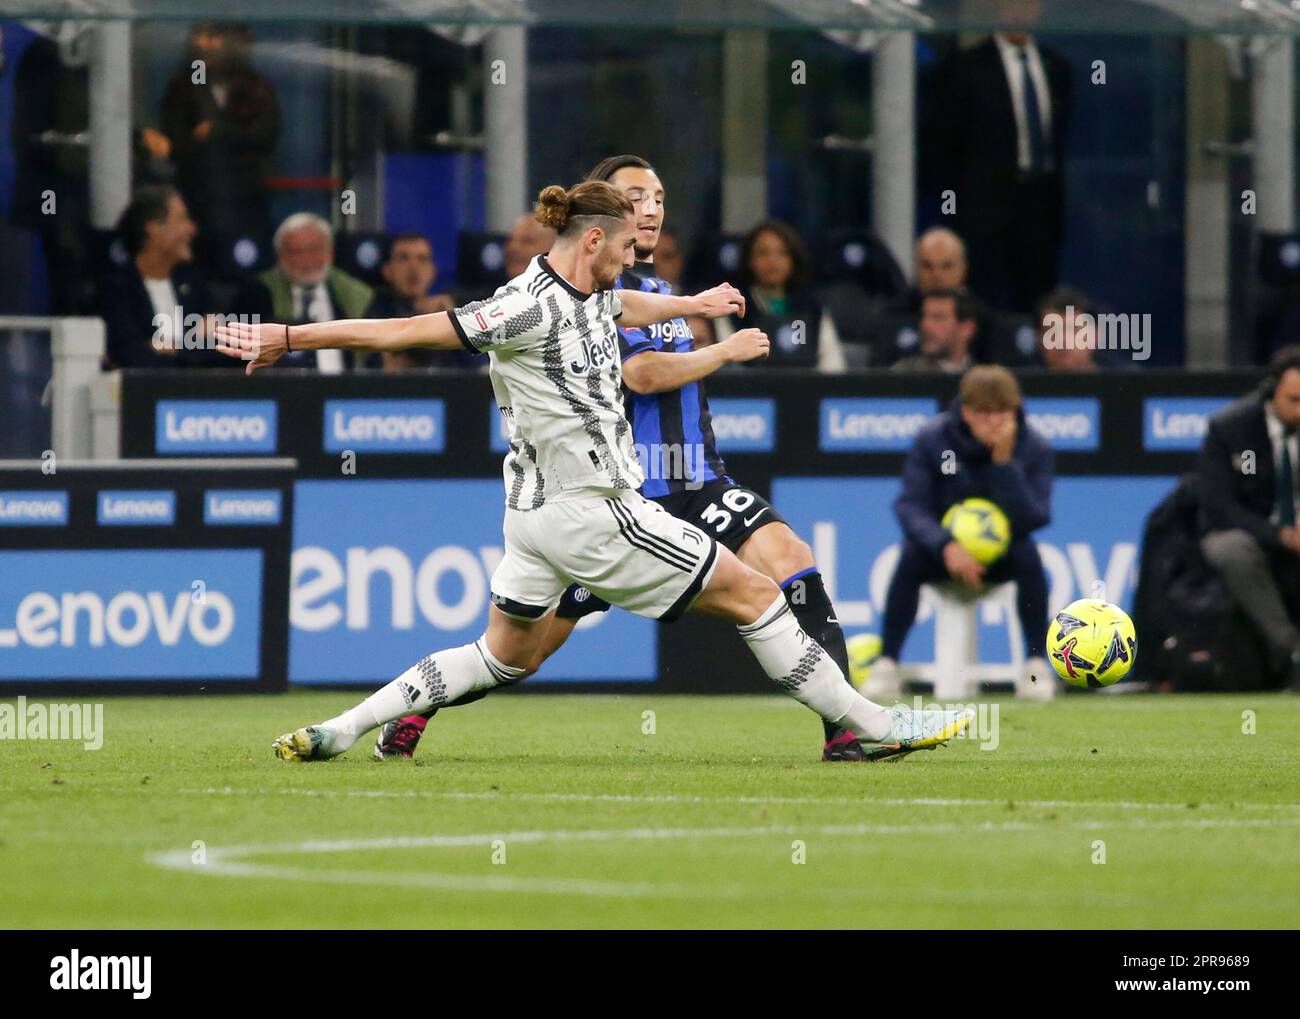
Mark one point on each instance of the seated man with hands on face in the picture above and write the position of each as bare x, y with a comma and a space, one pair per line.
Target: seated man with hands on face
981, 447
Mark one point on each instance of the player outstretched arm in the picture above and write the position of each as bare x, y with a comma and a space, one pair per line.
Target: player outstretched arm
643, 309
656, 371
265, 343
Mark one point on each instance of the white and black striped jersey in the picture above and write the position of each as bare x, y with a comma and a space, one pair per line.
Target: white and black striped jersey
558, 378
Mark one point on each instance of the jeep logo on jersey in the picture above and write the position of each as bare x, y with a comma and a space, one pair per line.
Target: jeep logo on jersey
595, 355
384, 426
215, 426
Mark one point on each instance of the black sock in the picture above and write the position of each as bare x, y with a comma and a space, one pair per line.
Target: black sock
806, 595
469, 698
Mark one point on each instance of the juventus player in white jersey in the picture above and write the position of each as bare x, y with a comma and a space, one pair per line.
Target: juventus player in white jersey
573, 513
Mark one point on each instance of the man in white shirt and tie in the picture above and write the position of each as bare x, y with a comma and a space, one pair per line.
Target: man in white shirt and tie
995, 136
306, 286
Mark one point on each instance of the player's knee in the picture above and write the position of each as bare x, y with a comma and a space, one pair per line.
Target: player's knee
758, 591
796, 556
508, 665
1226, 550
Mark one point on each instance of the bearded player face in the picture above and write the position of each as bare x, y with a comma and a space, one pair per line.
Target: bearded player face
614, 255
644, 189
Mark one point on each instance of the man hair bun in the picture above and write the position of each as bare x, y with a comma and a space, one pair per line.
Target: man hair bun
552, 208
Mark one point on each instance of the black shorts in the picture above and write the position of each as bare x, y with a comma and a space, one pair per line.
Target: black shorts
724, 509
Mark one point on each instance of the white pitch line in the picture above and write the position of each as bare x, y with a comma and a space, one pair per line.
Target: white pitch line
233, 861
891, 801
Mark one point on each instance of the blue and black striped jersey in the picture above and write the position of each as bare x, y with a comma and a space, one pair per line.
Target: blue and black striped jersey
673, 431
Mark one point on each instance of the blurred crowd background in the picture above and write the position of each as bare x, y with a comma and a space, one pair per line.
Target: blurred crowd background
315, 171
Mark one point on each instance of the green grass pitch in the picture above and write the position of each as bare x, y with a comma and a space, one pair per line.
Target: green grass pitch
559, 811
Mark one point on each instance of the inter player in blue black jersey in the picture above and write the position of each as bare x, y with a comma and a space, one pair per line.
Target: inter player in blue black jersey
663, 373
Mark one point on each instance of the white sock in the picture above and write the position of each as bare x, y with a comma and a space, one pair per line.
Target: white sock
433, 681
803, 669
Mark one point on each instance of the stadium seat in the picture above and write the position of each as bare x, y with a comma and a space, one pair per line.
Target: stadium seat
861, 258
362, 255
957, 670
105, 251
480, 261
714, 259
233, 256
1279, 259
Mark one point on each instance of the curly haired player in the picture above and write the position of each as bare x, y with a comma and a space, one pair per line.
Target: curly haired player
574, 514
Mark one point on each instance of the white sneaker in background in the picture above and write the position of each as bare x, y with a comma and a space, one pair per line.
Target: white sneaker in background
884, 683
1037, 682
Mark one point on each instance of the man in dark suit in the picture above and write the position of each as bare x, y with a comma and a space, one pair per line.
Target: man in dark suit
222, 133
306, 286
995, 136
156, 307
1248, 515
940, 266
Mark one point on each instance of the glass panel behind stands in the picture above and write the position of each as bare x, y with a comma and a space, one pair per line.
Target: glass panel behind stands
1128, 16
378, 125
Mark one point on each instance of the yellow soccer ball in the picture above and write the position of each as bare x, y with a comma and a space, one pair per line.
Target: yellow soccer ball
864, 649
979, 527
1092, 643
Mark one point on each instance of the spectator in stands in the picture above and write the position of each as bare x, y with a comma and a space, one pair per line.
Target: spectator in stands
940, 261
409, 272
995, 137
940, 264
981, 447
947, 326
222, 129
147, 305
670, 263
1249, 508
50, 83
1067, 332
775, 276
527, 239
306, 286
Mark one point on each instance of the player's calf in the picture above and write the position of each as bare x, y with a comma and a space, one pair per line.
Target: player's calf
433, 682
792, 659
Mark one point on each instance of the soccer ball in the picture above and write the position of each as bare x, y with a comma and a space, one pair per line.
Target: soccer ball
1092, 643
864, 649
979, 527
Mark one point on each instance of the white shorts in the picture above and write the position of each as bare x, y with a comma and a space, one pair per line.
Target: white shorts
620, 546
